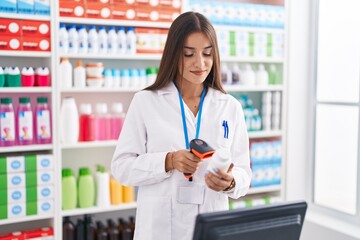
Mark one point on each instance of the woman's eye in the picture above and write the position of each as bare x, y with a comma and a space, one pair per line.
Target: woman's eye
188, 55
207, 54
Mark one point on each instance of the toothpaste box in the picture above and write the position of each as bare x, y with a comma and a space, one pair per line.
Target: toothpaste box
8, 6
25, 6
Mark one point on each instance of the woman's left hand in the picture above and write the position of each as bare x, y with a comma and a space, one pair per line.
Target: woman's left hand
219, 181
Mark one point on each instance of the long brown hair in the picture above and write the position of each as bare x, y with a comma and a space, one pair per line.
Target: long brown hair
183, 26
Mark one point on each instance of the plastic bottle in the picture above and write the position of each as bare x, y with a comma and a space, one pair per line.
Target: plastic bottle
113, 231
248, 75
103, 40
65, 73
142, 78
83, 39
255, 121
86, 191
102, 122
101, 233
93, 40
121, 225
86, 123
73, 39
128, 193
115, 191
68, 229
25, 125
12, 77
221, 159
125, 78
79, 75
262, 77
69, 121
90, 229
2, 77
27, 77
132, 226
274, 77
117, 119
134, 78
80, 230
69, 190
226, 75
7, 122
109, 80
112, 41
63, 39
236, 74
116, 78
121, 35
42, 77
102, 187
127, 233
42, 121
151, 74
131, 41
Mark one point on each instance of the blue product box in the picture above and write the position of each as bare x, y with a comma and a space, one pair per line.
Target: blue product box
25, 6
42, 7
8, 6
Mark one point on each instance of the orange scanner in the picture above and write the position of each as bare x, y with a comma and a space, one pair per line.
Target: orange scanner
202, 150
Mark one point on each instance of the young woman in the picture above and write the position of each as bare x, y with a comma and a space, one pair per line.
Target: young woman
186, 102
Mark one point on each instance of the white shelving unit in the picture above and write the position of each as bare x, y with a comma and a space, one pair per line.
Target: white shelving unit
101, 151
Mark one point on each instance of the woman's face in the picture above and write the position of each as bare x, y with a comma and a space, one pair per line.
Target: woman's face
197, 58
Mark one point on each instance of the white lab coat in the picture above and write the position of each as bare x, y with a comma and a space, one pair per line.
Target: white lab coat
167, 204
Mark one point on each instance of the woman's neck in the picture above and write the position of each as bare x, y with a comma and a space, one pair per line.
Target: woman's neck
190, 90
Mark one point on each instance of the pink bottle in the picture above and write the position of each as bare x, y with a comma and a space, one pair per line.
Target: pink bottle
87, 124
117, 120
102, 123
7, 122
27, 77
42, 77
42, 121
25, 126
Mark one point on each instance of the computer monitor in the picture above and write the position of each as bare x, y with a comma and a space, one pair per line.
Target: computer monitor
279, 221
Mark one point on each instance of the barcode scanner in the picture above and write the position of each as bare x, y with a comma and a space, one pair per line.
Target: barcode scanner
200, 149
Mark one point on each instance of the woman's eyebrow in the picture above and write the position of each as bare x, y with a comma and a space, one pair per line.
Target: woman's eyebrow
192, 48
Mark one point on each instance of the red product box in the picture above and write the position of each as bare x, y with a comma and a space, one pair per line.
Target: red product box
127, 2
12, 236
36, 44
10, 27
98, 10
170, 4
123, 12
72, 9
166, 15
35, 28
77, 1
43, 233
10, 43
173, 4
103, 2
147, 14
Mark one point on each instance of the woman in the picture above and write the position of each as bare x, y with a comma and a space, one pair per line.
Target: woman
186, 102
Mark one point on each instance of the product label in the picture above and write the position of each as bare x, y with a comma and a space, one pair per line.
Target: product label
7, 126
43, 126
25, 125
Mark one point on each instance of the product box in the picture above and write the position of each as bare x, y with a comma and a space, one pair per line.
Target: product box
42, 7
16, 195
45, 178
12, 164
35, 28
98, 10
72, 9
10, 43
122, 11
16, 210
25, 6
36, 44
148, 40
12, 180
8, 6
13, 236
45, 207
10, 27
34, 163
40, 234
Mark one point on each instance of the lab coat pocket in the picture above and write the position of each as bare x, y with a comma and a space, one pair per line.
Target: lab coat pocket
225, 133
191, 194
158, 209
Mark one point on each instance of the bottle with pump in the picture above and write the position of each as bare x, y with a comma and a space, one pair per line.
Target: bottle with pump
42, 121
69, 191
83, 39
220, 160
25, 126
121, 35
102, 122
113, 231
63, 39
112, 41
131, 41
73, 39
103, 40
87, 123
117, 119
79, 75
86, 188
65, 73
68, 229
90, 228
102, 187
69, 121
7, 122
93, 40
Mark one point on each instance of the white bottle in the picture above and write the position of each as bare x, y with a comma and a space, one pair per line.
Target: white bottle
112, 41
63, 39
121, 40
102, 187
248, 75
262, 76
219, 160
69, 121
83, 39
93, 40
236, 74
79, 75
65, 73
103, 40
131, 41
226, 75
73, 39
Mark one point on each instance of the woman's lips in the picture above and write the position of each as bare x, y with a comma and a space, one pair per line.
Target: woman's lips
198, 73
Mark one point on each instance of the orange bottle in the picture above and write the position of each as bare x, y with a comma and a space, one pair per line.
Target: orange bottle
128, 194
116, 195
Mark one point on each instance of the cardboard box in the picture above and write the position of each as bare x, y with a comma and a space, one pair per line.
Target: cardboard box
8, 6
13, 236
35, 28
36, 44
123, 12
98, 10
42, 7
10, 27
71, 9
26, 6
10, 43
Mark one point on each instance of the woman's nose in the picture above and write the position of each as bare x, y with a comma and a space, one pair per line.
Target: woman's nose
199, 61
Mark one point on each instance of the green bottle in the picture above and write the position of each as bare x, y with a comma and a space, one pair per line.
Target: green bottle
69, 192
86, 186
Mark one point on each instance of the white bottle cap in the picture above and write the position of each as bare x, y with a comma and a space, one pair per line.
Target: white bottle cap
27, 71
117, 107
1, 70
13, 71
85, 108
43, 71
101, 108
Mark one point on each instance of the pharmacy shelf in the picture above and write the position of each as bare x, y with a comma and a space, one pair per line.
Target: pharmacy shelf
25, 90
253, 88
136, 57
93, 210
114, 22
21, 54
249, 29
25, 16
99, 90
95, 144
25, 219
265, 134
27, 148
252, 59
266, 189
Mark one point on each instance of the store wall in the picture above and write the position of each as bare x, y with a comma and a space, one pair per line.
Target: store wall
298, 166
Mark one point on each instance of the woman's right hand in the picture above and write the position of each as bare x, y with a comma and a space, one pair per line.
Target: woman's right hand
182, 160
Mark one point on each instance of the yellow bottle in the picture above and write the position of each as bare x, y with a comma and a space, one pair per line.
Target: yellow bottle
128, 194
116, 196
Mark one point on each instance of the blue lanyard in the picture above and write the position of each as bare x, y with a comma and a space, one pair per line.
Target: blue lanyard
187, 143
